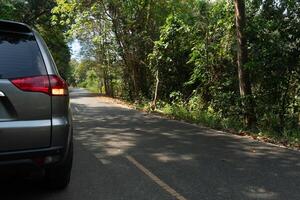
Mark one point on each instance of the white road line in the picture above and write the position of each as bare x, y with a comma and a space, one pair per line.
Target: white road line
157, 180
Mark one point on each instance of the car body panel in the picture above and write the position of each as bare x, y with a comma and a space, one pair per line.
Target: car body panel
25, 119
32, 121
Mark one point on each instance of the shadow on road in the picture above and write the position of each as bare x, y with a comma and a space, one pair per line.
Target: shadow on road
84, 182
199, 162
22, 188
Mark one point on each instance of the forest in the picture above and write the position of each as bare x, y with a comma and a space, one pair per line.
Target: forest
226, 64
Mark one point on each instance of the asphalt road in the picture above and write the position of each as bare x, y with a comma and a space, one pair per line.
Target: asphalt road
125, 154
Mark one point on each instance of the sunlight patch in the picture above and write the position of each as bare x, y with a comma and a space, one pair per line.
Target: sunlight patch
260, 193
171, 157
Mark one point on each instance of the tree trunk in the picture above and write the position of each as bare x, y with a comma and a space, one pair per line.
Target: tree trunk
107, 83
242, 56
153, 104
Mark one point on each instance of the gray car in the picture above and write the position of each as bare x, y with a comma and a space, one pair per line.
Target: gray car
35, 117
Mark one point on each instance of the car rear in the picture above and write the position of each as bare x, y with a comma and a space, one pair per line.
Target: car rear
35, 119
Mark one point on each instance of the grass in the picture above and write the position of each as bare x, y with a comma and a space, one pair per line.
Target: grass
90, 87
289, 138
208, 119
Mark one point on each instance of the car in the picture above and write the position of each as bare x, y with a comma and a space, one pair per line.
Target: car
36, 131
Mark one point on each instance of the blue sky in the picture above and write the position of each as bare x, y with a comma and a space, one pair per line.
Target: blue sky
75, 49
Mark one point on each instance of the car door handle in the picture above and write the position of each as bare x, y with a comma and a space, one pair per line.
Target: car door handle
2, 94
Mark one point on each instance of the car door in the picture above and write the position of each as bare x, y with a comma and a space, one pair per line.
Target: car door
25, 106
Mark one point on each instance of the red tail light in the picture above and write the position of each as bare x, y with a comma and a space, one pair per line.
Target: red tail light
52, 85
33, 84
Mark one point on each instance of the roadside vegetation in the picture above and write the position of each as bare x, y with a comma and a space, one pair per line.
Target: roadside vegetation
227, 64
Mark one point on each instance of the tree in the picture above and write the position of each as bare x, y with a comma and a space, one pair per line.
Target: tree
273, 42
242, 56
170, 57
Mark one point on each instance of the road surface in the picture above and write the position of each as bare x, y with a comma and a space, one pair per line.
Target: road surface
125, 154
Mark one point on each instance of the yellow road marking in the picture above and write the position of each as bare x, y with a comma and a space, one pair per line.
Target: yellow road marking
157, 180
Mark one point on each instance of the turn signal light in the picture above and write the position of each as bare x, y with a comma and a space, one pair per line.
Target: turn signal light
58, 86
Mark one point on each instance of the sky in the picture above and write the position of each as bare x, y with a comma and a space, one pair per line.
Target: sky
75, 50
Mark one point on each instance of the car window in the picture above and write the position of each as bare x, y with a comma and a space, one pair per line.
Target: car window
20, 56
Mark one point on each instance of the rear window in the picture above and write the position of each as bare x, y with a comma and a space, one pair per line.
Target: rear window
20, 56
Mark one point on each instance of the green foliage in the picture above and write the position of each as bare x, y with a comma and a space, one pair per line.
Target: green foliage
213, 56
59, 49
188, 112
274, 40
6, 9
170, 56
92, 81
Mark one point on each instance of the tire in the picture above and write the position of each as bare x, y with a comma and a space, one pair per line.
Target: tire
58, 177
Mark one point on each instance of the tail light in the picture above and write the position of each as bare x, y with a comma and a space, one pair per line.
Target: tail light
52, 85
58, 87
33, 84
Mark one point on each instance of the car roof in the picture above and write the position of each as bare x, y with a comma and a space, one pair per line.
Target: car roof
16, 27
